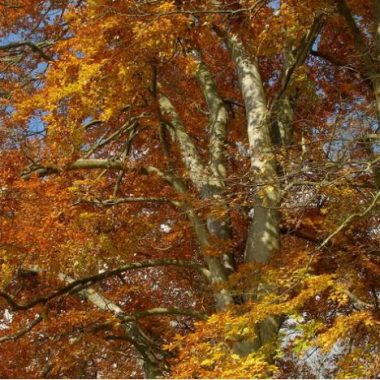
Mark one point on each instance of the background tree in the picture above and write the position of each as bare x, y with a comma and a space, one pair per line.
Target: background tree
189, 189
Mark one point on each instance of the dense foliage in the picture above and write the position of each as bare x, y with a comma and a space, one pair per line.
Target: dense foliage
189, 188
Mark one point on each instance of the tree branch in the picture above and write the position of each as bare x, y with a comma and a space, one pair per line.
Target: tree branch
301, 55
216, 272
92, 123
152, 358
35, 47
170, 311
95, 163
189, 152
197, 12
117, 201
369, 63
359, 40
23, 331
348, 220
80, 284
218, 122
127, 127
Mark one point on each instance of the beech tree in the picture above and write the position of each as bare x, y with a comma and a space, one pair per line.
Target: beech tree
189, 189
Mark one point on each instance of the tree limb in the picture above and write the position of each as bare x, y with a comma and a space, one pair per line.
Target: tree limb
35, 47
95, 163
217, 273
117, 201
152, 358
218, 122
358, 39
92, 123
349, 219
301, 55
23, 331
80, 284
169, 311
369, 63
189, 152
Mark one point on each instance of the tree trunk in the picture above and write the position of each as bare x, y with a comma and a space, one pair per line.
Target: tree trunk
263, 238
263, 235
217, 225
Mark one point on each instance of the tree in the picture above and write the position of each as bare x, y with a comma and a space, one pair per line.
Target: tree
189, 189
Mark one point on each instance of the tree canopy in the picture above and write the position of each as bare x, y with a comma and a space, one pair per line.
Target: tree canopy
189, 189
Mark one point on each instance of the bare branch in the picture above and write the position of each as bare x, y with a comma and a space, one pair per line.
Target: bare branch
216, 272
118, 201
80, 284
80, 164
35, 47
129, 126
151, 356
23, 331
91, 123
169, 311
301, 55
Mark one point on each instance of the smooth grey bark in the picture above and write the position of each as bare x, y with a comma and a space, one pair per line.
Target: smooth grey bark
284, 119
219, 226
189, 153
263, 238
266, 332
217, 270
209, 181
218, 123
77, 285
263, 234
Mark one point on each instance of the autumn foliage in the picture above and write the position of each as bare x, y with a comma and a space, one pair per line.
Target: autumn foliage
189, 189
